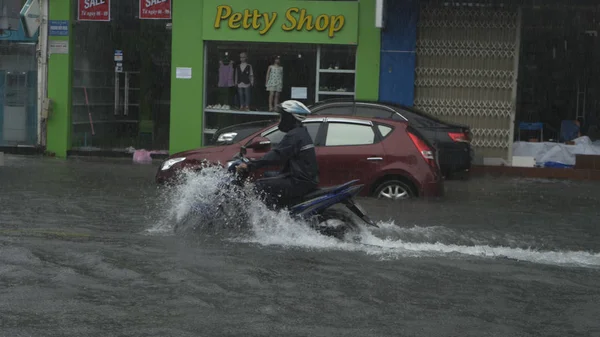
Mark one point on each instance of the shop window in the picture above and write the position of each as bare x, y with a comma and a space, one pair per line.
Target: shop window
236, 93
349, 134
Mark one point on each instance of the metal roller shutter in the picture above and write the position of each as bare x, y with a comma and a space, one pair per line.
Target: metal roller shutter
465, 71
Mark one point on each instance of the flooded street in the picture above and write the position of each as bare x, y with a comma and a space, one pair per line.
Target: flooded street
86, 250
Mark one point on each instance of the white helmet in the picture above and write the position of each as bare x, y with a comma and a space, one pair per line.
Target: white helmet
296, 109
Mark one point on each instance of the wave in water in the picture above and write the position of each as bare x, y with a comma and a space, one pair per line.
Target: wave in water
388, 242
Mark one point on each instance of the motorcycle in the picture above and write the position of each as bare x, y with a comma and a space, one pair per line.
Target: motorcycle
315, 208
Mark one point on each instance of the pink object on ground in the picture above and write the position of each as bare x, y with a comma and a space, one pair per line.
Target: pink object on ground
142, 157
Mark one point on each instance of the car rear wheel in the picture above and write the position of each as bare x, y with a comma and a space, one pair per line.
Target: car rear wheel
394, 190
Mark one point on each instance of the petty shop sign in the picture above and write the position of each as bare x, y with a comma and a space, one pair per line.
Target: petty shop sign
93, 10
155, 9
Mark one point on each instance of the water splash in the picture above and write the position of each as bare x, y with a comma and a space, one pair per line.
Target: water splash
390, 241
190, 188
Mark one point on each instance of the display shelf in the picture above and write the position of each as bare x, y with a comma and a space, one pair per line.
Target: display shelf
325, 82
102, 71
99, 87
341, 93
338, 71
242, 112
101, 104
128, 121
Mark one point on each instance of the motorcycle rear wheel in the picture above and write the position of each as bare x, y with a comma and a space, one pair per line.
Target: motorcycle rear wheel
348, 227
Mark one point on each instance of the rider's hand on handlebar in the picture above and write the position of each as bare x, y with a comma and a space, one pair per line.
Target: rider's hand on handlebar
242, 167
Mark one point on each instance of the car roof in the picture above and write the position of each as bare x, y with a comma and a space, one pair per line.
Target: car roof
343, 118
399, 108
350, 118
352, 100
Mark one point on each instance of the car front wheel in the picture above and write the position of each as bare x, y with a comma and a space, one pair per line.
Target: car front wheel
394, 190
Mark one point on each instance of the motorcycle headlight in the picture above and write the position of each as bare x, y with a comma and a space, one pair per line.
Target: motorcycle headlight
230, 162
170, 162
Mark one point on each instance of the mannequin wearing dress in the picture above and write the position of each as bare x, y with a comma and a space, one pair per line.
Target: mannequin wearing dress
274, 82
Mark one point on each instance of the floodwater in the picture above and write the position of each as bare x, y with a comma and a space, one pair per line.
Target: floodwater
87, 249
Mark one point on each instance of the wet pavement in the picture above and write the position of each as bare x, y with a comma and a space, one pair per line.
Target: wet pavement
86, 250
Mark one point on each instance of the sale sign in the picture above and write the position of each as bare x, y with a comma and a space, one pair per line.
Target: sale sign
93, 10
155, 9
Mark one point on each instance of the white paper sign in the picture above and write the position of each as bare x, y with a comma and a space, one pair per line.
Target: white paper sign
299, 92
183, 73
58, 47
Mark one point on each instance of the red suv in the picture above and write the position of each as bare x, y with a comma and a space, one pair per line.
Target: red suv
389, 157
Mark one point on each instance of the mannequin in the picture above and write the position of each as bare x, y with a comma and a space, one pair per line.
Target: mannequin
225, 80
274, 82
244, 80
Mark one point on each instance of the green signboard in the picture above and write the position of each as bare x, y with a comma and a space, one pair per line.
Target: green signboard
319, 22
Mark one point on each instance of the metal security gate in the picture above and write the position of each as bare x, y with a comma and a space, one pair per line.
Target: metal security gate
465, 71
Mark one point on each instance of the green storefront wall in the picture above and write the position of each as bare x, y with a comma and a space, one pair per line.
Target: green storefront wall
347, 22
58, 138
189, 34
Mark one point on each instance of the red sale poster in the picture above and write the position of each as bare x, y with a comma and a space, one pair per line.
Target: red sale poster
155, 9
93, 10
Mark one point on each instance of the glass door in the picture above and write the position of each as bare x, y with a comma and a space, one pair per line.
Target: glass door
18, 94
121, 82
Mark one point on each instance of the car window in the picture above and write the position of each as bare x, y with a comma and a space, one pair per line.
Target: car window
349, 134
336, 110
313, 129
276, 136
373, 112
384, 130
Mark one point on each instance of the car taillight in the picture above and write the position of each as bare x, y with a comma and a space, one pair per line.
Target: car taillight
462, 137
423, 148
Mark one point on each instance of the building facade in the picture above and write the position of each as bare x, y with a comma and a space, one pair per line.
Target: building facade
494, 65
169, 84
119, 80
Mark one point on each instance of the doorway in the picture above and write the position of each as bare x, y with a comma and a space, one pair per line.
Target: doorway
559, 75
127, 107
18, 99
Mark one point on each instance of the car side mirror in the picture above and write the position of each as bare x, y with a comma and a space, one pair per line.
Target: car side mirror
259, 143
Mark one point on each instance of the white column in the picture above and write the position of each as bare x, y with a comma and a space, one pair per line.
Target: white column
379, 14
515, 88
